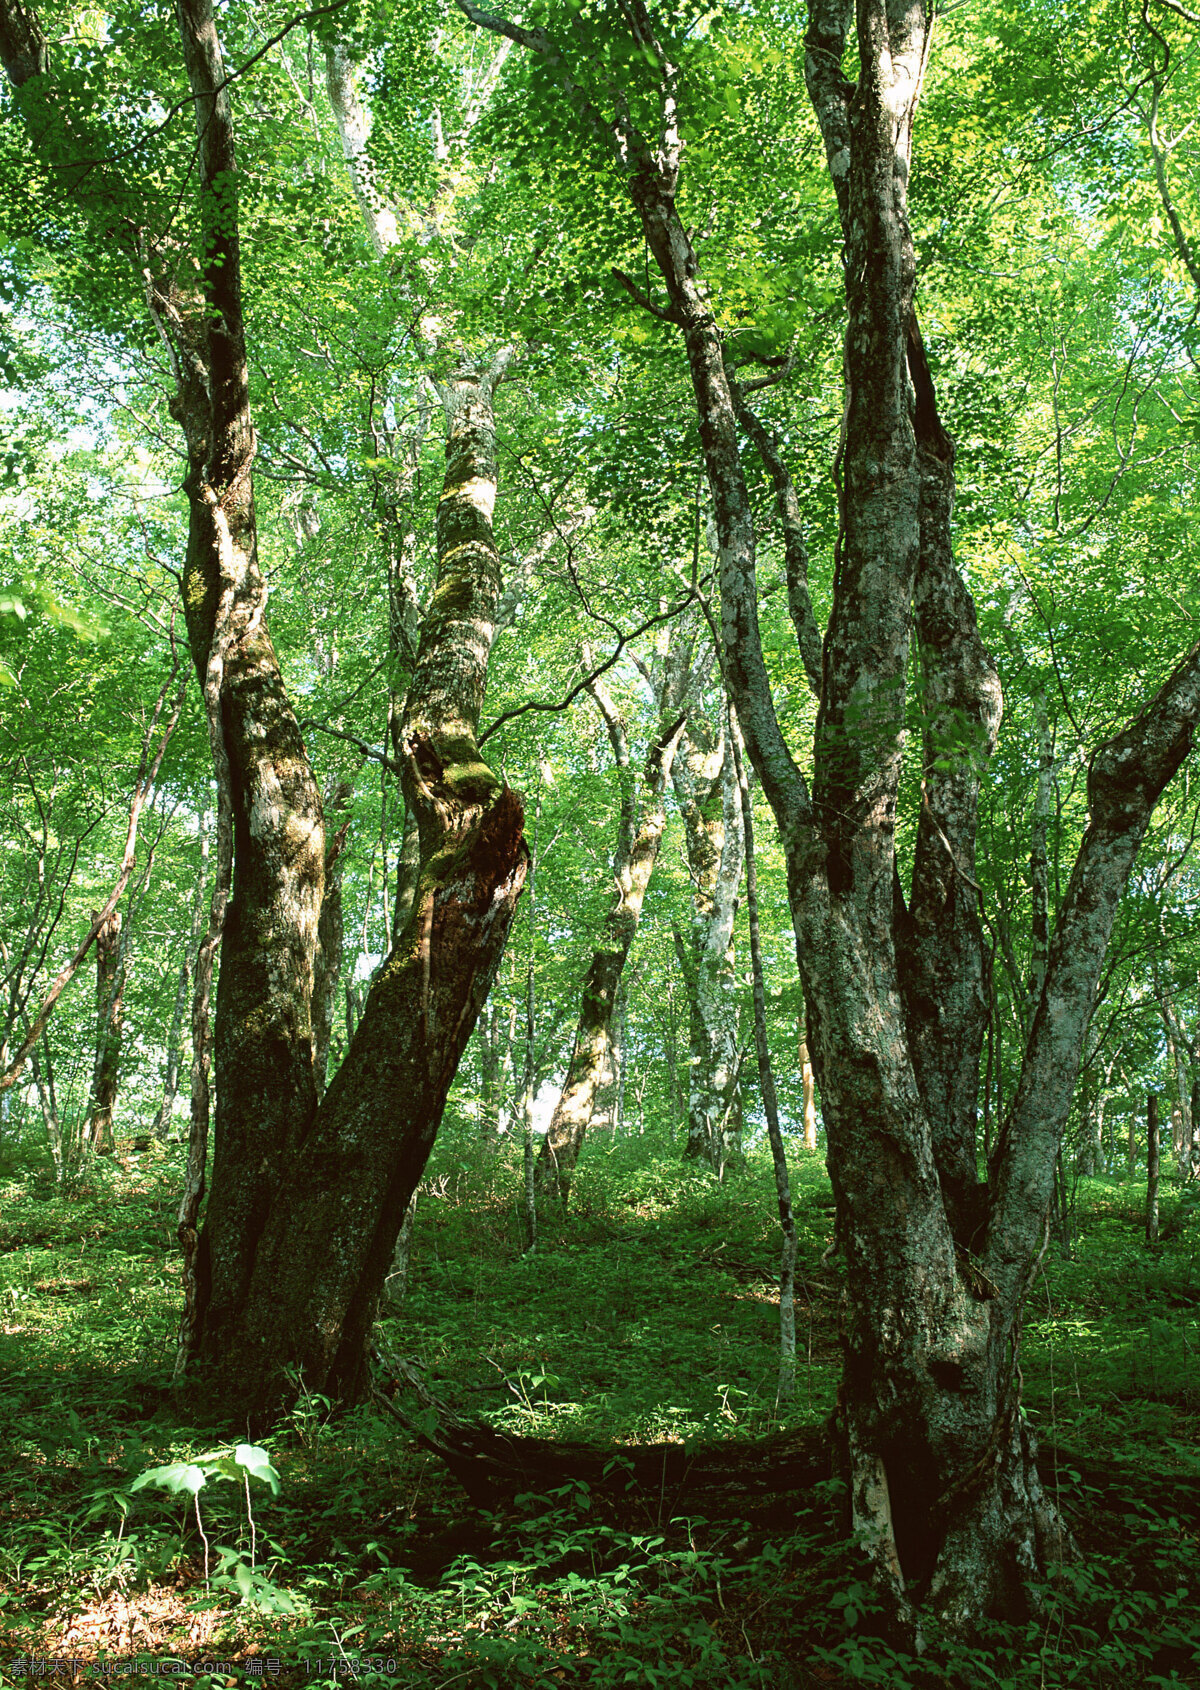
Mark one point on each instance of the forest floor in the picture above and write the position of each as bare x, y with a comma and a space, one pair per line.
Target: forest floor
645, 1324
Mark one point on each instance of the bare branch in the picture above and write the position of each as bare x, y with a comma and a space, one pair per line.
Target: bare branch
586, 683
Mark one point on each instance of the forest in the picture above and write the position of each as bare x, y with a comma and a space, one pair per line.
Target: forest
599, 892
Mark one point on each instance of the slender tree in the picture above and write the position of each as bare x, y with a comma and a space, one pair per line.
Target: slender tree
706, 792
639, 835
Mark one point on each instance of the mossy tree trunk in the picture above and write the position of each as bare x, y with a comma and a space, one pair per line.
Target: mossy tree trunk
324, 1255
304, 1204
940, 1459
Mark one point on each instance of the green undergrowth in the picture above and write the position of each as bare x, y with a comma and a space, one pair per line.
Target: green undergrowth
649, 1313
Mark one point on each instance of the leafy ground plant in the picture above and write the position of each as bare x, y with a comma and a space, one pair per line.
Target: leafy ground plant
343, 1550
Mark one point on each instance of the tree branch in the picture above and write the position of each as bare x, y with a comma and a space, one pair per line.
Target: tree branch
587, 682
808, 635
647, 304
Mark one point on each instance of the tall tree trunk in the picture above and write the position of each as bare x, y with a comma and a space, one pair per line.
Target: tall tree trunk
304, 1207
322, 1260
639, 836
766, 1080
706, 790
943, 1485
265, 1091
110, 1025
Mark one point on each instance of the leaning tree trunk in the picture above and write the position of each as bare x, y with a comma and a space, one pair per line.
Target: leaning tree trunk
304, 1206
639, 836
323, 1258
110, 1025
706, 791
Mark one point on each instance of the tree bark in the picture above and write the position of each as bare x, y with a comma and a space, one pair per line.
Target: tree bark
1152, 1158
263, 1064
943, 1484
706, 791
322, 1260
304, 1206
639, 835
110, 1025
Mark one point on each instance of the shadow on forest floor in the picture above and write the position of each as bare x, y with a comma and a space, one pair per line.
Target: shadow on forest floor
665, 1549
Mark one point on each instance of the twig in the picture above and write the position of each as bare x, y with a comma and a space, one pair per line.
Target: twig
590, 679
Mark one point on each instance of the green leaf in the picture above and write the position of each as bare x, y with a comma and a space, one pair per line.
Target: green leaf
257, 1463
180, 1476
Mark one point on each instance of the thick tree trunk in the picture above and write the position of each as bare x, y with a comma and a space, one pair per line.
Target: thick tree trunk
322, 1260
943, 1483
263, 1025
706, 790
639, 836
110, 1026
304, 1207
